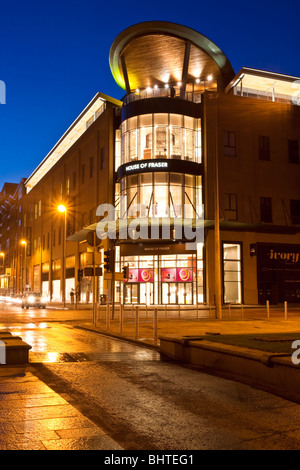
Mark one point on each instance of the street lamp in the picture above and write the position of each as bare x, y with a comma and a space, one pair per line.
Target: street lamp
24, 243
62, 209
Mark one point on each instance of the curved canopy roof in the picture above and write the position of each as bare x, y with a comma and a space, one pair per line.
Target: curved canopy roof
158, 52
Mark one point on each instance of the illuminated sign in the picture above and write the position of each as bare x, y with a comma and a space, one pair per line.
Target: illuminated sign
140, 275
146, 165
170, 165
176, 275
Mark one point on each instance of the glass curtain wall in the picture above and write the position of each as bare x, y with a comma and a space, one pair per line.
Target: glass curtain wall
160, 194
164, 135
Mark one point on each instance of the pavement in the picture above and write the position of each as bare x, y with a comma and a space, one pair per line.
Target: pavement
34, 417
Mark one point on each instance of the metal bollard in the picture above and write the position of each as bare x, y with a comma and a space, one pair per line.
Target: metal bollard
121, 318
285, 310
107, 316
155, 318
136, 322
268, 310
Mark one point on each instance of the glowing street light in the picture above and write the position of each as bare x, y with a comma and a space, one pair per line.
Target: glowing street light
2, 255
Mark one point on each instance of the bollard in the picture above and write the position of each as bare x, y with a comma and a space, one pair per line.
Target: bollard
242, 308
136, 322
107, 316
121, 318
179, 310
268, 310
285, 310
155, 317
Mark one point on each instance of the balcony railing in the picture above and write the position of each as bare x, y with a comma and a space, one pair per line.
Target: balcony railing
165, 92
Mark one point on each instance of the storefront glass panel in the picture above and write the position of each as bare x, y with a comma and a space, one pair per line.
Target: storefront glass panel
172, 279
232, 273
161, 135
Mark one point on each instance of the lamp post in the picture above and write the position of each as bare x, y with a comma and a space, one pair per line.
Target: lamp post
2, 255
24, 243
62, 209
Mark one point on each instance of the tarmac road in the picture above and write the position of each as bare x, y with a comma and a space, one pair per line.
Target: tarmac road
142, 402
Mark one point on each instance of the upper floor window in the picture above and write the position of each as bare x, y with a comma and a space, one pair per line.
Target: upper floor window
82, 173
161, 135
293, 151
295, 211
263, 147
266, 209
91, 167
102, 158
229, 141
230, 206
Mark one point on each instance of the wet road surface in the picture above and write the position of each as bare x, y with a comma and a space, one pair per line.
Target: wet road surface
143, 402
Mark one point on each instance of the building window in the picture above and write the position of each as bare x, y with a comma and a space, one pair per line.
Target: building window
82, 173
91, 167
102, 158
68, 186
266, 209
230, 206
232, 272
295, 211
229, 143
74, 180
293, 151
263, 147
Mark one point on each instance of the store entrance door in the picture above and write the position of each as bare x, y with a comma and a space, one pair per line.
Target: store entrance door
131, 293
146, 293
185, 293
169, 293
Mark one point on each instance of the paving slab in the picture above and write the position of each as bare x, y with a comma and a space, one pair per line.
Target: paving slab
34, 417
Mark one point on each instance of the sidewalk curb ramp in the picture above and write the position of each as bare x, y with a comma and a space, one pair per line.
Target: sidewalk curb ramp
274, 373
16, 350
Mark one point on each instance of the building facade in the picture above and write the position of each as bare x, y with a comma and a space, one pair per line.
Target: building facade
201, 167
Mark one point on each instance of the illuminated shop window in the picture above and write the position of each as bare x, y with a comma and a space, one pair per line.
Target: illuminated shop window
164, 279
232, 270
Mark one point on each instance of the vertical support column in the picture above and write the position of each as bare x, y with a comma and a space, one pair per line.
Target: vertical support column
285, 310
185, 68
218, 302
155, 321
137, 322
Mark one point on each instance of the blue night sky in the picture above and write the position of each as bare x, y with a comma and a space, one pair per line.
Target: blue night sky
54, 58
